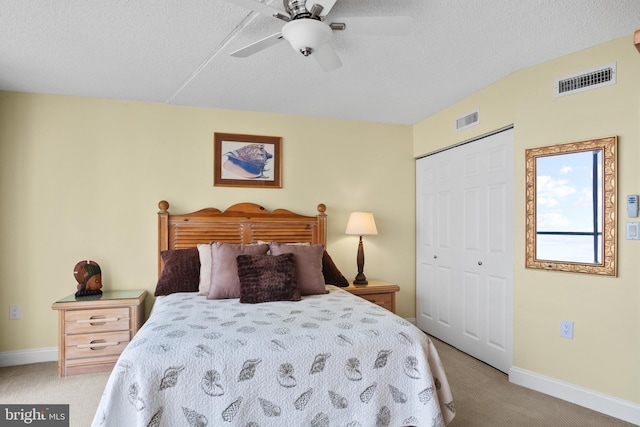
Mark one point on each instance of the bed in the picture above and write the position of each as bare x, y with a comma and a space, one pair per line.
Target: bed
285, 352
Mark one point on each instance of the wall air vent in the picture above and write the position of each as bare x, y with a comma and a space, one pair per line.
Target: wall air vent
586, 80
468, 120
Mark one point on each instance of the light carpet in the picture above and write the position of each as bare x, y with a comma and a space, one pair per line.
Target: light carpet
484, 397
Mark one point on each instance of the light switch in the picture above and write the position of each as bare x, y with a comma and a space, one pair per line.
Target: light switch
633, 230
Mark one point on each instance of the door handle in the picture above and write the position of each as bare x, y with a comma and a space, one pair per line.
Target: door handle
97, 345
97, 320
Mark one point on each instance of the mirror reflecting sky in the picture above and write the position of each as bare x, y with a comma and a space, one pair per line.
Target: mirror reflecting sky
564, 203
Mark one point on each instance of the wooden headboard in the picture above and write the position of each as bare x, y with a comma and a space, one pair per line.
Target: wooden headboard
240, 223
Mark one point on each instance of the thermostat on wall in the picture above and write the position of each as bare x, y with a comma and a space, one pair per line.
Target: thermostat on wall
632, 205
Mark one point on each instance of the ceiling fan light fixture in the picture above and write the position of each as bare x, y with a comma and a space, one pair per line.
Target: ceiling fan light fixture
306, 35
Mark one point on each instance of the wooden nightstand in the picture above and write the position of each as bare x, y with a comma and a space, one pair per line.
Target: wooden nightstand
378, 292
93, 330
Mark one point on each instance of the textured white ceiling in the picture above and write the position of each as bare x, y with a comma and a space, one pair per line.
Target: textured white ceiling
177, 52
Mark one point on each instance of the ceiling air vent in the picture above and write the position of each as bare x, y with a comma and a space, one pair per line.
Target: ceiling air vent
468, 120
586, 80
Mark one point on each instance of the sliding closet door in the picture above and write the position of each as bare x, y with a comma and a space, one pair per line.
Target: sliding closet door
464, 247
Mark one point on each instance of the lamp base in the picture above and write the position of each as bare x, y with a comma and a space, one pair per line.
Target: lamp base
360, 280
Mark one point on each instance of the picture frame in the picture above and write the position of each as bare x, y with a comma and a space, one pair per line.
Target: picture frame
247, 160
560, 232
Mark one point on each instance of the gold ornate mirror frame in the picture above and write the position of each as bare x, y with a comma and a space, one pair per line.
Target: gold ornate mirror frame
608, 265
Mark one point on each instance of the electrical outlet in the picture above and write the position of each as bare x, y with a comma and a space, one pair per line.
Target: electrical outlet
14, 312
566, 329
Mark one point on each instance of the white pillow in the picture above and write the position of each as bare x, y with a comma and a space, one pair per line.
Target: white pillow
204, 252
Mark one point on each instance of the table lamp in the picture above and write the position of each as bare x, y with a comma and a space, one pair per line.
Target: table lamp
361, 224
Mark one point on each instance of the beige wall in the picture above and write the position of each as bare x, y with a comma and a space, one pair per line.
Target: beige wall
605, 351
81, 179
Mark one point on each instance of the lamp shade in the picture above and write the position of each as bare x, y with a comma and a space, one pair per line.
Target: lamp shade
361, 224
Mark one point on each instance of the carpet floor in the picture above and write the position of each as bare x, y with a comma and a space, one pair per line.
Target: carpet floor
484, 397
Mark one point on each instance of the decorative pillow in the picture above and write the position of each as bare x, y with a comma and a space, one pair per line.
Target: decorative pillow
291, 243
308, 266
204, 253
296, 243
332, 276
265, 278
224, 268
181, 271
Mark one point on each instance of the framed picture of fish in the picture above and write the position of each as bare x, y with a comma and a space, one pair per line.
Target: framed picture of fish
247, 160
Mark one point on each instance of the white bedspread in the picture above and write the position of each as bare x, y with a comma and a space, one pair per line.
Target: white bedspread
328, 360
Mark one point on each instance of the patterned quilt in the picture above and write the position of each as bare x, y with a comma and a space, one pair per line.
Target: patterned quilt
328, 360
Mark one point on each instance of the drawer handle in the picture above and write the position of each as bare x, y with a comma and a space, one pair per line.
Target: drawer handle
97, 345
98, 320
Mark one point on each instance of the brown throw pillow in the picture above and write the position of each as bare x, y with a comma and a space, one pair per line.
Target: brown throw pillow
331, 273
181, 272
308, 266
224, 268
265, 278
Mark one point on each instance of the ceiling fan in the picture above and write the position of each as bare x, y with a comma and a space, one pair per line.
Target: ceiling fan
307, 31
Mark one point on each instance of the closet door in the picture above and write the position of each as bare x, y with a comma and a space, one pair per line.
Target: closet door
437, 220
464, 252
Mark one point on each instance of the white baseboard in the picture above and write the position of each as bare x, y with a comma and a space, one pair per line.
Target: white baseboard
25, 357
411, 320
600, 402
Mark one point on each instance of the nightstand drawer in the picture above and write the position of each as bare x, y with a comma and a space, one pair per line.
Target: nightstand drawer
383, 300
378, 292
96, 320
90, 365
93, 345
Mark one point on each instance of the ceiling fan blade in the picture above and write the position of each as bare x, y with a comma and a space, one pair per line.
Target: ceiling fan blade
376, 26
327, 5
262, 8
327, 57
257, 46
